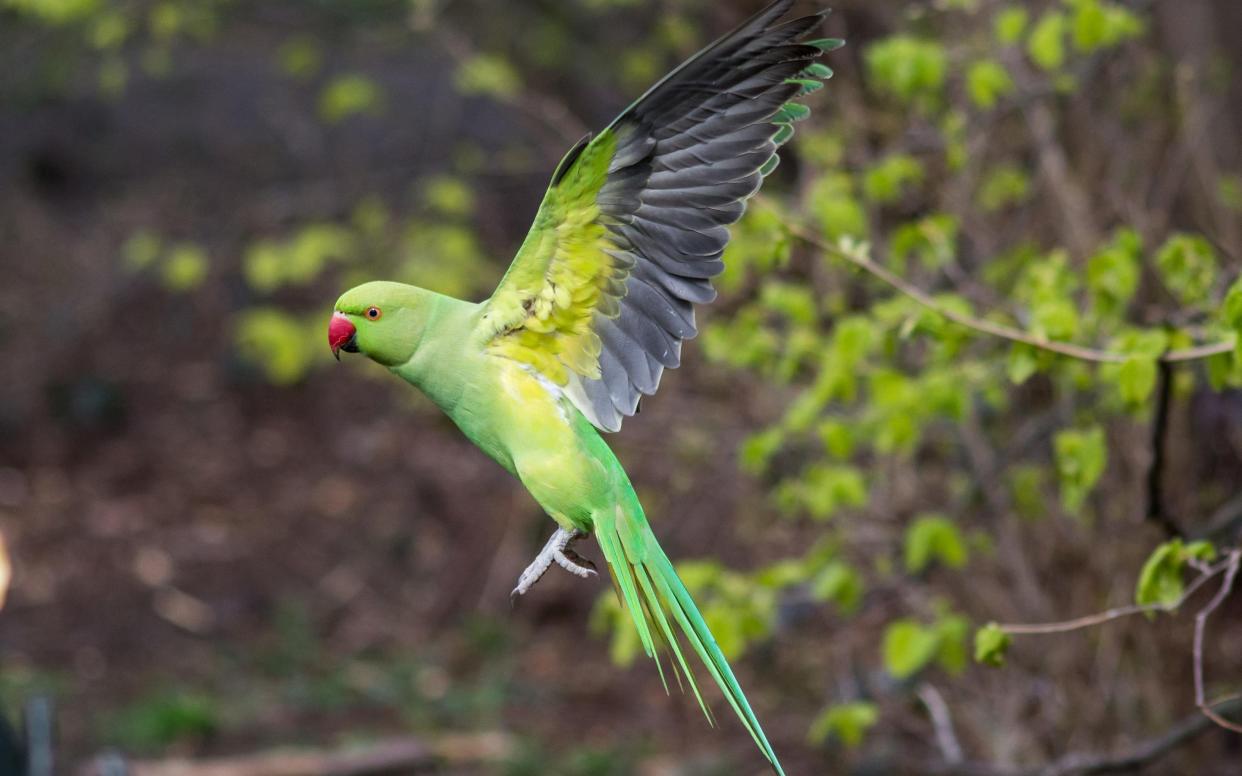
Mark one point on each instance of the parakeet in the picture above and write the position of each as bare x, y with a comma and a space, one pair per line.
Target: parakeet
597, 303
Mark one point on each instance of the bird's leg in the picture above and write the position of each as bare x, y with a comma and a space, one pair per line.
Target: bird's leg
556, 551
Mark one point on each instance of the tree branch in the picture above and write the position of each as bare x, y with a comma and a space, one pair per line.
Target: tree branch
942, 723
1226, 587
1118, 612
992, 328
1156, 508
1078, 764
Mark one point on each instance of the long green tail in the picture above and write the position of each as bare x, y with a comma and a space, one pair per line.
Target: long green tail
651, 590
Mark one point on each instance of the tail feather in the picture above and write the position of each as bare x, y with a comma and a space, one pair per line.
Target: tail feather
654, 594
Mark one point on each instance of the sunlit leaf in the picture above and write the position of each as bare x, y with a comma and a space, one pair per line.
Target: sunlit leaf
933, 538
907, 68
185, 267
987, 81
991, 645
490, 75
846, 722
1081, 455
908, 647
1046, 46
349, 95
1187, 264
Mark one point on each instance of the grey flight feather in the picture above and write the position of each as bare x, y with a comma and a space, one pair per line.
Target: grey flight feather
689, 153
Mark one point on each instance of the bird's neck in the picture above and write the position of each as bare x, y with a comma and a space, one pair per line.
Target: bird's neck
443, 359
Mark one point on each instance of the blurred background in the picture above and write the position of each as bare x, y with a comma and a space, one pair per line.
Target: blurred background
224, 544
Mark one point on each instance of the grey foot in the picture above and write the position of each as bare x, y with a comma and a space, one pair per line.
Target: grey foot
556, 551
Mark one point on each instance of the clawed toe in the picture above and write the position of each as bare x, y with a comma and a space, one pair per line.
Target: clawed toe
558, 551
576, 564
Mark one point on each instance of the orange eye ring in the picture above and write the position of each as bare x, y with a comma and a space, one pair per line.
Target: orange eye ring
373, 313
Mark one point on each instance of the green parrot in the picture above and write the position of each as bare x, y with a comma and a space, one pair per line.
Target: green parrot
596, 305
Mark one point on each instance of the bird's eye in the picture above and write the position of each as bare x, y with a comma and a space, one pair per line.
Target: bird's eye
373, 313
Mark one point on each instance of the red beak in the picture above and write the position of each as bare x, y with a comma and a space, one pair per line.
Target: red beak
341, 335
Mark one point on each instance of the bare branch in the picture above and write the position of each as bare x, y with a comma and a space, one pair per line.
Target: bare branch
999, 329
1089, 764
942, 723
1100, 618
1231, 572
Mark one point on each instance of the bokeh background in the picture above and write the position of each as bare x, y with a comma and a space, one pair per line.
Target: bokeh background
224, 543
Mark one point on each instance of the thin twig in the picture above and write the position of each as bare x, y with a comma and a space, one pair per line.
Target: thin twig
999, 329
1226, 587
1088, 621
1082, 764
942, 723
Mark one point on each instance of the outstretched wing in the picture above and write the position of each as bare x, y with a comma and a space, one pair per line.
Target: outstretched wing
631, 231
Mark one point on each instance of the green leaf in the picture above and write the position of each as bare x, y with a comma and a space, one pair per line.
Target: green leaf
837, 438
1187, 265
349, 95
1081, 456
448, 196
991, 644
1010, 24
1098, 25
141, 250
908, 647
852, 340
300, 56
1229, 192
1200, 550
910, 69
608, 618
185, 268
158, 720
1113, 272
952, 630
109, 30
931, 239
1230, 314
846, 722
489, 75
1026, 482
833, 202
1136, 378
792, 301
987, 81
271, 264
1160, 581
1003, 187
1054, 318
55, 11
822, 490
933, 538
757, 450
840, 583
1046, 46
1023, 362
887, 181
277, 343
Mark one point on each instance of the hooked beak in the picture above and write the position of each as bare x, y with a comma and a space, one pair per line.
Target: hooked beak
342, 335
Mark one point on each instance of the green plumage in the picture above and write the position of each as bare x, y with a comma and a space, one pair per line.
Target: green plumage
597, 304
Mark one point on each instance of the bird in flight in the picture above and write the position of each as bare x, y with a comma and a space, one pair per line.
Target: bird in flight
596, 305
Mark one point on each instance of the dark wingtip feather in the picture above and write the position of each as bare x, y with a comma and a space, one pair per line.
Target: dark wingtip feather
691, 151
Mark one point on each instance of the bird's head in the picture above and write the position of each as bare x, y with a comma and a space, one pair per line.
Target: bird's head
381, 320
